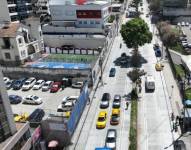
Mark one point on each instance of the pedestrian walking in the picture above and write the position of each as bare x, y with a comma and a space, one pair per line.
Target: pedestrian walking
127, 104
88, 100
140, 88
172, 116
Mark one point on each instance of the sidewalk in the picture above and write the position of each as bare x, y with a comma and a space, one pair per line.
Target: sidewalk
174, 96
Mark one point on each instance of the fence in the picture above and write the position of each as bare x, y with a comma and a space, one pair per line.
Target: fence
78, 110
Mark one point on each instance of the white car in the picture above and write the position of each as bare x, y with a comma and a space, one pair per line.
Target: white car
187, 24
66, 107
38, 84
69, 98
77, 85
6, 79
47, 85
32, 99
29, 84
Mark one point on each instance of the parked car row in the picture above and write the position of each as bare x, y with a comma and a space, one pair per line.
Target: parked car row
30, 99
26, 84
34, 118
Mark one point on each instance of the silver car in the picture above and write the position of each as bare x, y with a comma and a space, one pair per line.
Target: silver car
111, 138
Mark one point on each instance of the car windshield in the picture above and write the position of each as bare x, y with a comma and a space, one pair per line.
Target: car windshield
46, 84
110, 139
27, 83
115, 115
17, 82
38, 83
101, 119
35, 97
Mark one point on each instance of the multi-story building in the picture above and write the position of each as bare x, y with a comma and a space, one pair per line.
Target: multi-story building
41, 7
15, 10
19, 42
75, 23
7, 125
13, 136
176, 10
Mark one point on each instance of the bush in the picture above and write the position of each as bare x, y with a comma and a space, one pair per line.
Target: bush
111, 19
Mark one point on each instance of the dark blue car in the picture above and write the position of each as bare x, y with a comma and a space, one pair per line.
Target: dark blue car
112, 72
15, 99
36, 117
158, 53
18, 83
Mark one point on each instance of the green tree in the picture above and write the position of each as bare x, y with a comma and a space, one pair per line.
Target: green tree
136, 33
154, 5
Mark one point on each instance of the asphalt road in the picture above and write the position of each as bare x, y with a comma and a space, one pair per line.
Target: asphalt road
91, 137
154, 108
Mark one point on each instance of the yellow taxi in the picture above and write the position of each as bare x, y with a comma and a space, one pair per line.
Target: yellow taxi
102, 119
116, 111
21, 118
159, 66
67, 114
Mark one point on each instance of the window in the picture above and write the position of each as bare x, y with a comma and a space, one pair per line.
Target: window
97, 22
7, 56
7, 43
80, 22
91, 22
85, 22
20, 40
40, 33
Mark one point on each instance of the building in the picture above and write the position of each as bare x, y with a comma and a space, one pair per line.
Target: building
20, 43
7, 125
176, 10
15, 10
75, 24
41, 7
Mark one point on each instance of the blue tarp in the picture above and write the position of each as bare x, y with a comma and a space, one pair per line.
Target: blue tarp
187, 102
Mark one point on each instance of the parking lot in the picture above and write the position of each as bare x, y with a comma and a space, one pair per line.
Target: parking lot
187, 31
50, 100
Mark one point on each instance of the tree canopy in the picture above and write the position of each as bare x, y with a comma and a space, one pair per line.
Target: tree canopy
136, 33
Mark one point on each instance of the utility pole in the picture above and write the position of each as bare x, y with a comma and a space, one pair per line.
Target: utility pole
101, 67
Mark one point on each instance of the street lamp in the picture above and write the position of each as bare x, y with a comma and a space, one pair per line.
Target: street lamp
101, 67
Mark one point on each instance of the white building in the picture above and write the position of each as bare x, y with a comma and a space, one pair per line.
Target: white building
19, 43
74, 24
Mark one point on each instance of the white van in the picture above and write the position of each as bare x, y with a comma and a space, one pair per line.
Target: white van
149, 83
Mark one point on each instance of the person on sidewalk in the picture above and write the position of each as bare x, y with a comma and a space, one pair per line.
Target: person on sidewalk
127, 105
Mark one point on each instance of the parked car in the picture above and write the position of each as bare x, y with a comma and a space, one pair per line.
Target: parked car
158, 53
19, 83
32, 99
149, 83
28, 84
6, 79
111, 138
47, 85
159, 66
147, 15
112, 72
36, 117
15, 99
77, 85
105, 101
102, 119
69, 98
21, 118
9, 84
183, 23
187, 24
38, 84
68, 106
179, 145
116, 104
55, 87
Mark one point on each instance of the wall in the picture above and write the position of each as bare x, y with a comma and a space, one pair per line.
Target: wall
79, 42
47, 74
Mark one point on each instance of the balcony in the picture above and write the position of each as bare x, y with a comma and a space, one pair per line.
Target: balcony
11, 2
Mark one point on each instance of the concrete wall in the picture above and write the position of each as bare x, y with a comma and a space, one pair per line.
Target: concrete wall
79, 42
176, 57
47, 74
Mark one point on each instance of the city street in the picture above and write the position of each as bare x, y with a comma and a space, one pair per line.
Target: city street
154, 108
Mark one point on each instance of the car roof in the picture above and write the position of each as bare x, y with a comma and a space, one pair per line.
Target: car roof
30, 79
48, 82
102, 113
111, 133
40, 80
117, 96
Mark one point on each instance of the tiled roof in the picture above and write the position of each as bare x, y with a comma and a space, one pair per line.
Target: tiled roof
10, 30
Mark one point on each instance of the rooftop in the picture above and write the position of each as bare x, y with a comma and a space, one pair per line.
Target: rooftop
9, 30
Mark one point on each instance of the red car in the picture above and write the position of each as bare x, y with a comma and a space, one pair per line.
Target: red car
55, 87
